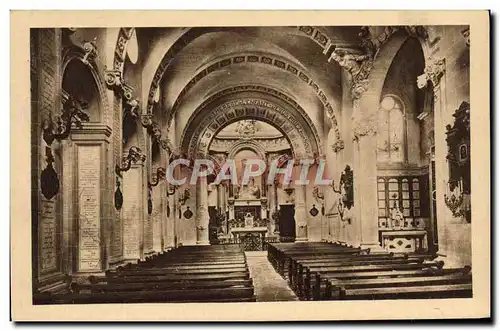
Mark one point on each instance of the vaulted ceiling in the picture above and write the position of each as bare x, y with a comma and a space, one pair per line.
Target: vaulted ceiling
291, 60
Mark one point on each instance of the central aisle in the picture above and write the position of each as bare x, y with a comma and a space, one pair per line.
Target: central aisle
268, 284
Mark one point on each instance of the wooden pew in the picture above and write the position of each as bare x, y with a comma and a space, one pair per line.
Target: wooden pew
331, 280
408, 292
301, 279
118, 287
243, 294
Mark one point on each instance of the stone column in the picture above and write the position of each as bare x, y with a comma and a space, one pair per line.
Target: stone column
365, 175
170, 213
300, 213
158, 216
133, 215
202, 217
91, 213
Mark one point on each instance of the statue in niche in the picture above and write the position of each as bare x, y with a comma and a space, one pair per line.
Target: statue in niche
249, 220
250, 191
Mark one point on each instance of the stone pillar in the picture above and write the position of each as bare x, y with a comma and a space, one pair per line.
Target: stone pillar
202, 217
365, 172
91, 214
300, 213
133, 215
170, 213
158, 216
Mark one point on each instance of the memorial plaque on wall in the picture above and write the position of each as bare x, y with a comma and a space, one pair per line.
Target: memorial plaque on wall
48, 237
89, 208
131, 214
117, 236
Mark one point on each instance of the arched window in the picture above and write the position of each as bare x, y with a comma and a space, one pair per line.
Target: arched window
391, 131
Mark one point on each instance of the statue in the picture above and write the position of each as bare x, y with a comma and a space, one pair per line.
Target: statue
248, 220
250, 191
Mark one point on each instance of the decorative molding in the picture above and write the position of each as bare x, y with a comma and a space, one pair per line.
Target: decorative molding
280, 63
359, 68
338, 145
317, 36
154, 131
294, 128
360, 64
268, 145
298, 119
90, 49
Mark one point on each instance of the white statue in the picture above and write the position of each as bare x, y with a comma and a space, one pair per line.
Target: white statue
248, 220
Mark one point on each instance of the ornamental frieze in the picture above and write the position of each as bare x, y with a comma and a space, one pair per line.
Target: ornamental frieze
226, 113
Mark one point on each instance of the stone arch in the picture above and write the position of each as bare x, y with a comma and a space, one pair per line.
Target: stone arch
385, 57
73, 53
254, 59
267, 93
237, 147
191, 34
201, 129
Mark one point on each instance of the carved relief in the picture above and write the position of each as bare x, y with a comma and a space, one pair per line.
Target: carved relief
433, 72
255, 108
90, 49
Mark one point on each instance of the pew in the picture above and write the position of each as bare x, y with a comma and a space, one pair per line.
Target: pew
186, 274
320, 271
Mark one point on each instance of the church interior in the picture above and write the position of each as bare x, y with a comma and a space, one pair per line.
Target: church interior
385, 109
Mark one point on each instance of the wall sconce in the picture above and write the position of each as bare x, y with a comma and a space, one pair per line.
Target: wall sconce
320, 197
73, 113
134, 155
184, 196
160, 175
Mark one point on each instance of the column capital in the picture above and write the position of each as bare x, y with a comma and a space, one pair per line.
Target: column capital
358, 66
433, 72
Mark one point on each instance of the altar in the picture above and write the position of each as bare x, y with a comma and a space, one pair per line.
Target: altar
251, 234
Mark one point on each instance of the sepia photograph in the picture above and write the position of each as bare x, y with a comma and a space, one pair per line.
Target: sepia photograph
238, 165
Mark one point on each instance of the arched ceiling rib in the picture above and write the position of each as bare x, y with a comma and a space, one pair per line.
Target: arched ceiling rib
290, 59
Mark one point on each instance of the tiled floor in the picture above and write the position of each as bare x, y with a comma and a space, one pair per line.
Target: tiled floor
268, 284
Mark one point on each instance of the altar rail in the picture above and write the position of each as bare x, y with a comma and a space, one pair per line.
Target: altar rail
254, 243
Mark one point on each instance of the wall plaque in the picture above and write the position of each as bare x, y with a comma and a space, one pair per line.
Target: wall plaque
89, 243
48, 237
131, 214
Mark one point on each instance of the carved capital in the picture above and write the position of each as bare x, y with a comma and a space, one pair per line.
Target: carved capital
433, 73
358, 66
